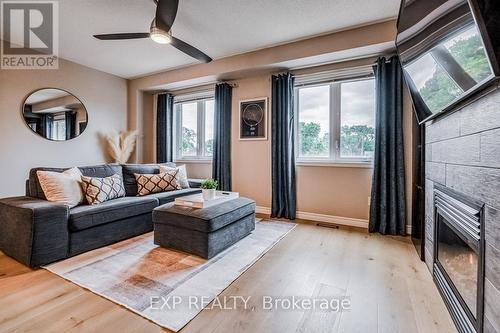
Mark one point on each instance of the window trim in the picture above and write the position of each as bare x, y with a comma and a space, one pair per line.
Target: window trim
335, 103
200, 156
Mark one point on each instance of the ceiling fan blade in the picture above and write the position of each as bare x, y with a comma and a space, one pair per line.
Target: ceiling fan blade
166, 11
120, 36
190, 50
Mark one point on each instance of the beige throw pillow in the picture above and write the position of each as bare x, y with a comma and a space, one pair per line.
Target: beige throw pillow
63, 187
98, 190
181, 178
155, 183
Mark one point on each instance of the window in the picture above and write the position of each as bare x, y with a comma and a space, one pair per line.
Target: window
314, 122
357, 119
189, 123
59, 128
195, 124
336, 121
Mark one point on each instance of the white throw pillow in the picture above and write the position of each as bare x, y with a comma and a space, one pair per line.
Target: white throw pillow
63, 187
181, 178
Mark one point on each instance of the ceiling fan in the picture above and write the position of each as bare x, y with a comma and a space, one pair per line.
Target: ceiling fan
160, 31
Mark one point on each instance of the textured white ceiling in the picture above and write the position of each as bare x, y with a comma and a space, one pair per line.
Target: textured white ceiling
217, 27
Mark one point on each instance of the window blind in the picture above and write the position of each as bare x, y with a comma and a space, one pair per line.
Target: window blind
334, 76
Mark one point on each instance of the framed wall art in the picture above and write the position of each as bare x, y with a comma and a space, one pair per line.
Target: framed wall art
253, 119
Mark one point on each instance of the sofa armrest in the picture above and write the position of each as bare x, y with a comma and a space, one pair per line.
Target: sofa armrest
34, 231
194, 182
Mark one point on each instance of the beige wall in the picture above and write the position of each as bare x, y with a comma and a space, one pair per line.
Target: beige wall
148, 129
251, 160
199, 170
105, 97
337, 191
327, 190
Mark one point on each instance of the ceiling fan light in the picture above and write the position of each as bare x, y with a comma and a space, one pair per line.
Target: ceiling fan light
160, 39
160, 36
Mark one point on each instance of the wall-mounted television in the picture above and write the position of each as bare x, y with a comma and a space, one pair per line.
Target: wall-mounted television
449, 50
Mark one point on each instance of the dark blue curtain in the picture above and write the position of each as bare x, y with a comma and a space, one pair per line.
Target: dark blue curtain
70, 119
165, 128
282, 145
388, 205
221, 165
46, 124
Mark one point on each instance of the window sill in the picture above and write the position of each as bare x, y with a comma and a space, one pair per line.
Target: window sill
335, 164
194, 160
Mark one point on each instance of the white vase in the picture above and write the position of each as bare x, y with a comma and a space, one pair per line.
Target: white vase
208, 194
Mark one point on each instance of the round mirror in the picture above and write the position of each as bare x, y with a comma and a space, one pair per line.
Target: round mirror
55, 114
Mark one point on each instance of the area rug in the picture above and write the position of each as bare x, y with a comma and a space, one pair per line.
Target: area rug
165, 286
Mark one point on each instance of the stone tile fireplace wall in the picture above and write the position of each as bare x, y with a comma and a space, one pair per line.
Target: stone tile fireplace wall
463, 153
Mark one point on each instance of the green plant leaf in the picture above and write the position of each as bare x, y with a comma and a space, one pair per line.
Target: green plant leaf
209, 184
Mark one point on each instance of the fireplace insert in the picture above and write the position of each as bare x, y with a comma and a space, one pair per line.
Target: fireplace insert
459, 256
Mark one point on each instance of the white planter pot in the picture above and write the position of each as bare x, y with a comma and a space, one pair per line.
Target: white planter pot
208, 194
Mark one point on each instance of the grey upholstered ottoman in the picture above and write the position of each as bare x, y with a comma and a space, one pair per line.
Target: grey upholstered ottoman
203, 231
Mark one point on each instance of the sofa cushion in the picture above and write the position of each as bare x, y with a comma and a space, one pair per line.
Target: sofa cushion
207, 219
84, 217
101, 171
166, 197
195, 182
104, 170
129, 171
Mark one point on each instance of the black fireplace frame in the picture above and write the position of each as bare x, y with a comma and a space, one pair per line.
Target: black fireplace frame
477, 322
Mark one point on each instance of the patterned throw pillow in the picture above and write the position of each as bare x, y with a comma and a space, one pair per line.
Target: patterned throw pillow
162, 182
181, 178
98, 190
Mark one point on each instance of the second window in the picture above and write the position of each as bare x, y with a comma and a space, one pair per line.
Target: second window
336, 121
195, 123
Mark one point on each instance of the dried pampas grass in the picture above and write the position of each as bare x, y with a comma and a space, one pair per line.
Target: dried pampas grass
121, 145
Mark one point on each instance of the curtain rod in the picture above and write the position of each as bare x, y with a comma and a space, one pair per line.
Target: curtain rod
387, 57
329, 81
295, 69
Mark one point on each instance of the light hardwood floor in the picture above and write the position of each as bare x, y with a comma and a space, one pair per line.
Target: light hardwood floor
390, 291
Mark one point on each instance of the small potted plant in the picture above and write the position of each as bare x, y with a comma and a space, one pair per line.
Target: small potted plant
208, 187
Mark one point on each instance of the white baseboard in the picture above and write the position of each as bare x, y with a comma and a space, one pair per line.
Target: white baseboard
263, 210
348, 221
360, 223
408, 229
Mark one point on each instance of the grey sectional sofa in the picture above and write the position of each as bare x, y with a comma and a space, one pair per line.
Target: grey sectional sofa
37, 232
